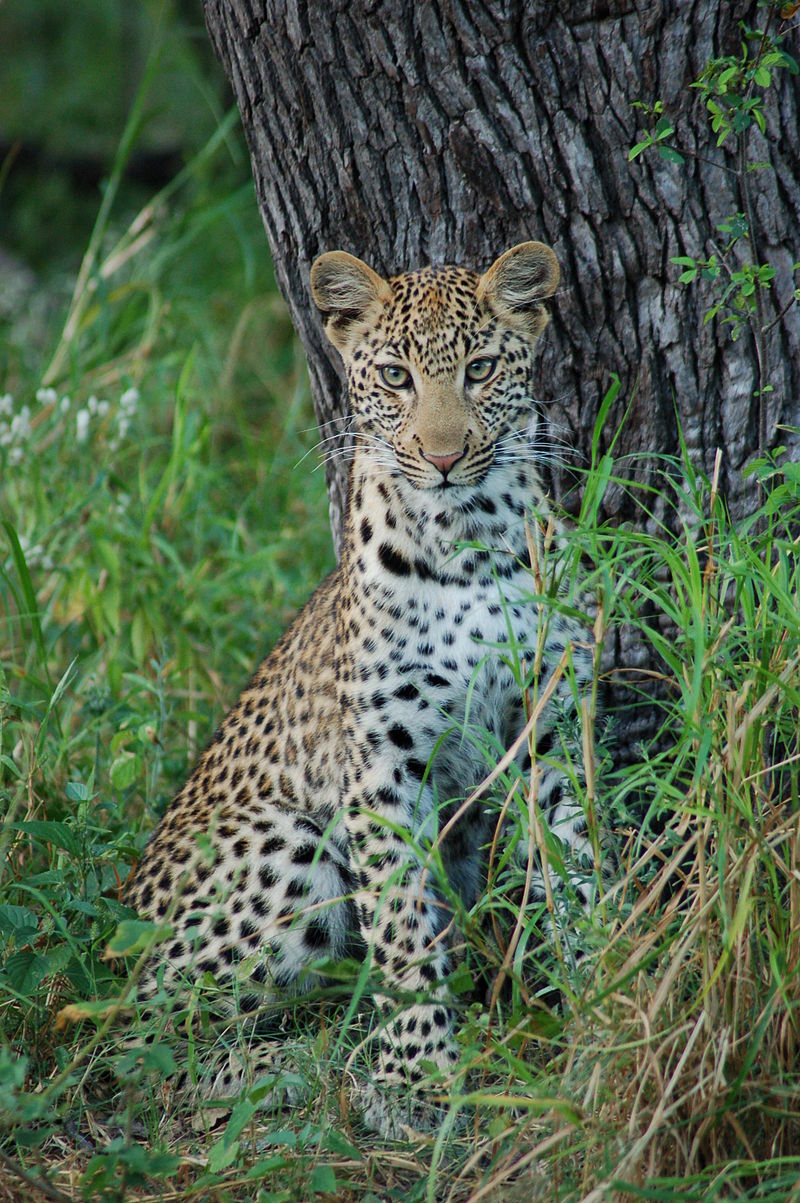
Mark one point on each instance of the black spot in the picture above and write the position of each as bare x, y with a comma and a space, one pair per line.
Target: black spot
315, 935
400, 737
366, 530
407, 693
267, 878
544, 743
393, 561
304, 854
301, 821
435, 681
275, 844
416, 767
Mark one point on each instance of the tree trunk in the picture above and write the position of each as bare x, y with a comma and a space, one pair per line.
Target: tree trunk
448, 130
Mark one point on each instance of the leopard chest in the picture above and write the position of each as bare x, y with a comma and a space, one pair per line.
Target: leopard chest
428, 653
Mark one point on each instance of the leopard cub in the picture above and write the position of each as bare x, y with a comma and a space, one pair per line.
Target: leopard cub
345, 752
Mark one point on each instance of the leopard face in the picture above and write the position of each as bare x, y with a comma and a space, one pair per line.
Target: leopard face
439, 361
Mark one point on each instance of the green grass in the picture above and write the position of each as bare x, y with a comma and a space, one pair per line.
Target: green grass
150, 552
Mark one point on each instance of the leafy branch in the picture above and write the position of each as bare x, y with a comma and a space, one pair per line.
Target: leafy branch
734, 89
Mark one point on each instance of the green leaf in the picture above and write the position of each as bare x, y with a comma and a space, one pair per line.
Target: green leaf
670, 154
18, 921
158, 1058
762, 77
136, 935
683, 260
28, 593
48, 831
609, 398
636, 150
77, 791
790, 64
140, 636
461, 980
221, 1155
335, 1142
124, 770
323, 1180
241, 1115
26, 970
8, 763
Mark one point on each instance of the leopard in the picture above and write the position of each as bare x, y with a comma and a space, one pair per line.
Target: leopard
307, 829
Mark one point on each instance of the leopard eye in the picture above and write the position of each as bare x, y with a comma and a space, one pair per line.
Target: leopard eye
395, 376
479, 370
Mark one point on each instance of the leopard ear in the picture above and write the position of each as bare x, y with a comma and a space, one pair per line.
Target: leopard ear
516, 283
344, 289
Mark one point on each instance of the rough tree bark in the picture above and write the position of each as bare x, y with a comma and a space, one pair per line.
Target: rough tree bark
448, 130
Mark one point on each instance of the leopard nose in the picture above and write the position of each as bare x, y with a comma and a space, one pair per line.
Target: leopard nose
444, 462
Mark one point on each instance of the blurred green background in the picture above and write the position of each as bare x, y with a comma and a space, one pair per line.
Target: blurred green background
69, 77
161, 519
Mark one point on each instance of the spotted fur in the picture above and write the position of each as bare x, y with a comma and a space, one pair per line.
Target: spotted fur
345, 753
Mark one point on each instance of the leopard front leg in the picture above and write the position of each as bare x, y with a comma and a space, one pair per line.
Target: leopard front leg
404, 924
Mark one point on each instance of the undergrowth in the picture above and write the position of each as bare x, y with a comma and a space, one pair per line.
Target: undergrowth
154, 543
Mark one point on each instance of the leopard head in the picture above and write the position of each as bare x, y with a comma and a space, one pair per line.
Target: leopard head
439, 361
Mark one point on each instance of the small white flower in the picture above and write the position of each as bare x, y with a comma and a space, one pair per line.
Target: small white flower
5, 436
6, 403
46, 396
15, 456
123, 427
64, 405
103, 408
35, 556
129, 399
91, 404
21, 429
123, 501
82, 425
